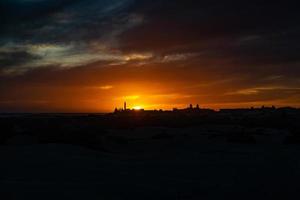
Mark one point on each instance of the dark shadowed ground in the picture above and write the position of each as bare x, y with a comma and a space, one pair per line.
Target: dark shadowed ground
239, 156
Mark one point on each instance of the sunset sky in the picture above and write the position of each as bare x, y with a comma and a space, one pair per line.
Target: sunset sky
92, 55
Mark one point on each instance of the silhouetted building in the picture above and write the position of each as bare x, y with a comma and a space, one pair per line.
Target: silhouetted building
189, 110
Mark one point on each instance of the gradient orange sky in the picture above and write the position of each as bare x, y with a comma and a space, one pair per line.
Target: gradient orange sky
91, 57
151, 86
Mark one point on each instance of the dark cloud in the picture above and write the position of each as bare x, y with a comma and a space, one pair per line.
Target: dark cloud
219, 27
60, 20
10, 59
243, 30
65, 29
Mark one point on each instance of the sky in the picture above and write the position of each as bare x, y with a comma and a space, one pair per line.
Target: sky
92, 55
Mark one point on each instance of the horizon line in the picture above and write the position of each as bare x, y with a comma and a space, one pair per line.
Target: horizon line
131, 109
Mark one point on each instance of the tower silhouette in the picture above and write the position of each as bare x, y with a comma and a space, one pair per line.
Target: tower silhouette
125, 106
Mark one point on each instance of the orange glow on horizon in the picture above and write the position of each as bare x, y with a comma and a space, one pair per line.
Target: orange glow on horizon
147, 88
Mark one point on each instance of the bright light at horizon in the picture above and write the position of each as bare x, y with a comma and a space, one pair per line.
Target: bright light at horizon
137, 108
